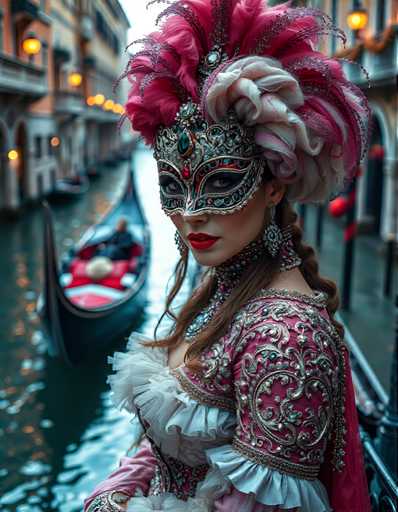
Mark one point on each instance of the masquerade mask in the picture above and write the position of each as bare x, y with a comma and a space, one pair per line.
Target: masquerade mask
206, 168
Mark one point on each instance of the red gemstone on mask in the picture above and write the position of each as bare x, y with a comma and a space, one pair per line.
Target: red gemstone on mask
185, 172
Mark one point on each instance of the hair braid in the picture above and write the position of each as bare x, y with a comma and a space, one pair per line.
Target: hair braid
310, 266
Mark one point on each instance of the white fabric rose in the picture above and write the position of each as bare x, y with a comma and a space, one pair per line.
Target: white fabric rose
265, 95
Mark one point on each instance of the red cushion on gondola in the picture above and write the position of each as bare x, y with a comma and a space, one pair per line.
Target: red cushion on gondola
87, 252
93, 295
119, 268
133, 265
90, 301
136, 250
78, 269
111, 282
79, 281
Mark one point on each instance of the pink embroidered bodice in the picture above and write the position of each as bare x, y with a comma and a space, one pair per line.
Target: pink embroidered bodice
256, 426
280, 367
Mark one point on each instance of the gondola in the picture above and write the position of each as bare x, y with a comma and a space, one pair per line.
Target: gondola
67, 188
81, 316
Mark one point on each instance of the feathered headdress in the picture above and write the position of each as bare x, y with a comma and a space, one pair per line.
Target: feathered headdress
261, 62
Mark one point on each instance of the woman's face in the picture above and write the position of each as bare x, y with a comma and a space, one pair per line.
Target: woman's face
214, 238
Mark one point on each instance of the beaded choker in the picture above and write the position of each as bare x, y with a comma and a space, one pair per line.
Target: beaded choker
229, 274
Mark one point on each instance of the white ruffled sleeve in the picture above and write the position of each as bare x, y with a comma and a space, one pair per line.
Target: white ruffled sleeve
260, 488
179, 425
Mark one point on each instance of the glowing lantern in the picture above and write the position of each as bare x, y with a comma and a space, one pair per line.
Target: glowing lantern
118, 109
55, 142
99, 99
31, 45
109, 104
13, 154
90, 101
357, 19
75, 79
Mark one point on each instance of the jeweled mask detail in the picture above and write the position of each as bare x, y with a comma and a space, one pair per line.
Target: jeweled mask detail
206, 168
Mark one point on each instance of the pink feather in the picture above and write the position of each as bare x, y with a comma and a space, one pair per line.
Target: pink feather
283, 32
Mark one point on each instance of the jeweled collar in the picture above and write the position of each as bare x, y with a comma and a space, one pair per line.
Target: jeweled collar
230, 272
228, 275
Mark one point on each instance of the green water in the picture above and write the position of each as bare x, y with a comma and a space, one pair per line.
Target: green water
59, 433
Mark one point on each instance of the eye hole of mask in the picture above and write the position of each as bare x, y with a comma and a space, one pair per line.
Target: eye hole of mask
170, 186
222, 182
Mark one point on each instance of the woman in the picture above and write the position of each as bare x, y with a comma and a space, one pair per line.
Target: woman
247, 404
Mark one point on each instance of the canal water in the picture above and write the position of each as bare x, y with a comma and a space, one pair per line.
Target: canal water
59, 433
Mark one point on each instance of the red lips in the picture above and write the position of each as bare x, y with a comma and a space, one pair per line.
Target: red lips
202, 241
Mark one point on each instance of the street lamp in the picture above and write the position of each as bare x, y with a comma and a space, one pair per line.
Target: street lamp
75, 79
55, 142
99, 99
118, 109
357, 19
108, 105
13, 155
31, 45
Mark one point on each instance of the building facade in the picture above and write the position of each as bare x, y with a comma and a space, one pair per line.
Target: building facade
375, 48
58, 112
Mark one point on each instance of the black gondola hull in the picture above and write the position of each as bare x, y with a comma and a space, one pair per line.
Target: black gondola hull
75, 333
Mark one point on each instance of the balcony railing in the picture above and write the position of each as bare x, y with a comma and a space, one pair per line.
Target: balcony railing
68, 103
382, 66
100, 116
25, 7
18, 77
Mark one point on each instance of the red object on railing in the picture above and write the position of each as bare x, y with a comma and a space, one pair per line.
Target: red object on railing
376, 151
339, 206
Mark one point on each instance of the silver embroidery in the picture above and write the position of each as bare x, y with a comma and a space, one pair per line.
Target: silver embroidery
279, 376
298, 360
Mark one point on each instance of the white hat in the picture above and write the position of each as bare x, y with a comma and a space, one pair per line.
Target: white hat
99, 267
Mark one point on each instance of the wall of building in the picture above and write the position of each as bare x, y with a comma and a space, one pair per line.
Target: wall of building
87, 135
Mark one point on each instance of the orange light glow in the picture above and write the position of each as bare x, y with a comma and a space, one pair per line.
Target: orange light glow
109, 104
55, 142
90, 101
99, 99
75, 79
31, 45
13, 154
357, 19
118, 109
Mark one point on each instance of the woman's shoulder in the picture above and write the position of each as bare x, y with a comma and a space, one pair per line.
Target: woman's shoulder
283, 303
280, 314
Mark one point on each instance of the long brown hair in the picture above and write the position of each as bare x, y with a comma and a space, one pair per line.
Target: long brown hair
256, 277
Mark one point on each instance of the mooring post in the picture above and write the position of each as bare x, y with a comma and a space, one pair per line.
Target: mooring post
350, 232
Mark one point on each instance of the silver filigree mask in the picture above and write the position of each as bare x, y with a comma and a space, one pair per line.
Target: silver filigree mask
206, 168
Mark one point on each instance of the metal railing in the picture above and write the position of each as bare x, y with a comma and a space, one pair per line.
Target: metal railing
378, 426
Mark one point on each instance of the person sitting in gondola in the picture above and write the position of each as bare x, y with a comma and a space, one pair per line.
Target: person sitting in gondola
118, 246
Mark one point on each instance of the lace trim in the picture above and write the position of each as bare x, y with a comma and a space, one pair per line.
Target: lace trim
282, 465
200, 394
319, 299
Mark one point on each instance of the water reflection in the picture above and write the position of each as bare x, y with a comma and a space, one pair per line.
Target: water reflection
59, 433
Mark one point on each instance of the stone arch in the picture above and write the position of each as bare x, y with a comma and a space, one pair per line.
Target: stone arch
376, 184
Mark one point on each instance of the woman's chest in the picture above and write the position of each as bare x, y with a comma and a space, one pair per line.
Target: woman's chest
176, 355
